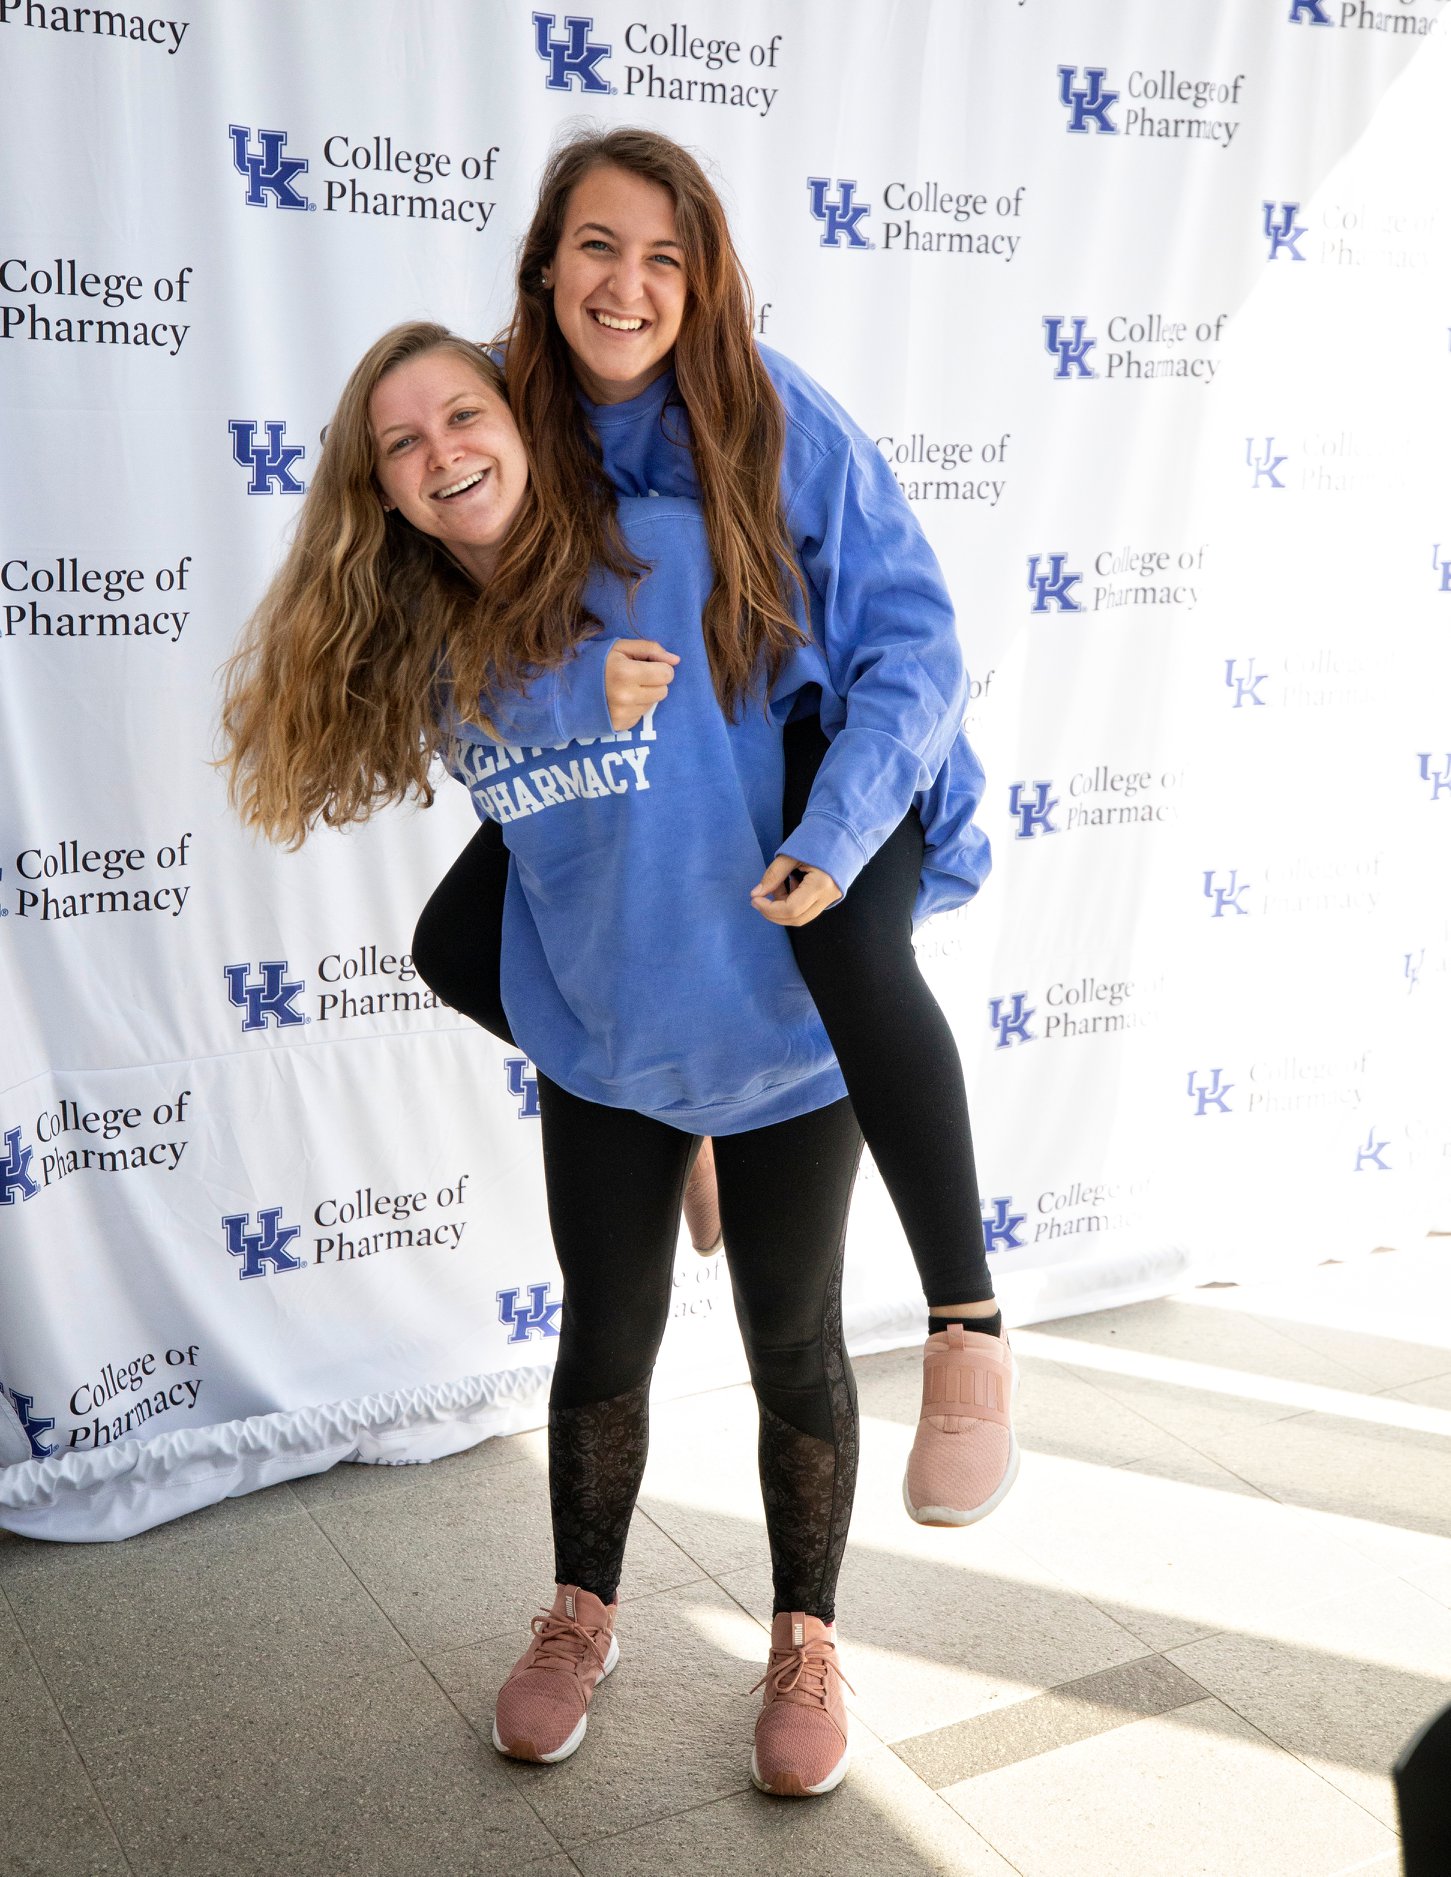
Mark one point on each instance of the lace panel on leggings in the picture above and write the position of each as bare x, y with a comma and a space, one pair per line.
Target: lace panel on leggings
596, 1461
807, 1484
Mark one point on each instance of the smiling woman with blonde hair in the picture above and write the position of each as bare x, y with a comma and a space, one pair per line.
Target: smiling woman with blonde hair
428, 606
333, 703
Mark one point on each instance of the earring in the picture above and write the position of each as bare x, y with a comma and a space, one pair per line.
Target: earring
545, 281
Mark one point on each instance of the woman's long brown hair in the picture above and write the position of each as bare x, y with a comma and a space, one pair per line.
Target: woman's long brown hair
737, 425
335, 700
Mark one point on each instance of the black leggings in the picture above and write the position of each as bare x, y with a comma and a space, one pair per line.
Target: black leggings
897, 1054
614, 1180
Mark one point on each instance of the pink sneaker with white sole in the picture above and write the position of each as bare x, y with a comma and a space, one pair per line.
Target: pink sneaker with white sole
965, 1456
543, 1707
800, 1748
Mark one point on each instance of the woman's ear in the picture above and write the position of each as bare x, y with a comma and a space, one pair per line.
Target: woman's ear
546, 279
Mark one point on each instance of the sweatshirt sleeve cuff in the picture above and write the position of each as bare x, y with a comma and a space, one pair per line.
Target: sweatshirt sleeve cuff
821, 841
580, 706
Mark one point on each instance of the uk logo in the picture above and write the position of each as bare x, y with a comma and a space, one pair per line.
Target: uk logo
267, 463
1034, 813
1309, 13
1439, 779
537, 1318
15, 1174
1246, 688
1370, 1154
523, 1086
1001, 1226
271, 1000
1282, 231
1211, 1094
34, 1425
1009, 1018
1229, 898
1071, 350
573, 58
268, 171
1442, 567
842, 217
1053, 588
1086, 104
267, 1246
1264, 463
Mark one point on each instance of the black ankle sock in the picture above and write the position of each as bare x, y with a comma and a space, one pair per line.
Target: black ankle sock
986, 1326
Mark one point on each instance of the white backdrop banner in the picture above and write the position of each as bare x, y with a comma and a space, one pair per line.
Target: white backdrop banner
1148, 307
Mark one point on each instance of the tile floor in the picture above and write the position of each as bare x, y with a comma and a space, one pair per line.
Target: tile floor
1190, 1644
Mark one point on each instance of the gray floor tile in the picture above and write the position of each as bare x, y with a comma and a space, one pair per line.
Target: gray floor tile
1384, 1361
670, 1728
1433, 1579
219, 1524
1195, 1332
249, 1709
1196, 1335
1198, 1790
1342, 1684
451, 1568
1175, 1551
1113, 1698
1374, 1315
713, 1512
194, 1623
880, 1820
1389, 1475
1432, 1392
927, 1640
51, 1822
376, 1777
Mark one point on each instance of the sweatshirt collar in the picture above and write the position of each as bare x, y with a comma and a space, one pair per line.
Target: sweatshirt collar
649, 403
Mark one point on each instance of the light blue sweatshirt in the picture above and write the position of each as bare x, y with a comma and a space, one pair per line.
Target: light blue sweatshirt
635, 971
888, 661
893, 684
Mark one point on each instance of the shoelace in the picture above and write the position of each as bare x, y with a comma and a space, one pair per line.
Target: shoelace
802, 1671
559, 1639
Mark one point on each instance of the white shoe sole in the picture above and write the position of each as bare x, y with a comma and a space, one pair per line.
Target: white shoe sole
833, 1779
954, 1515
571, 1745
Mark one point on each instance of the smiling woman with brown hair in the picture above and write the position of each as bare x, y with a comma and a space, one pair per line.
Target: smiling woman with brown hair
634, 372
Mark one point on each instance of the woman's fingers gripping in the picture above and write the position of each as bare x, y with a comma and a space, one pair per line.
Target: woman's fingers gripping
637, 676
790, 894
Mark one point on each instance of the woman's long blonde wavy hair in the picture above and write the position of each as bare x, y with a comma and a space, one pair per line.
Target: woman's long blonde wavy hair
335, 699
737, 425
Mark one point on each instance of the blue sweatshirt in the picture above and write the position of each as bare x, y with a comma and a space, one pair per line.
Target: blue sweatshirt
893, 688
635, 971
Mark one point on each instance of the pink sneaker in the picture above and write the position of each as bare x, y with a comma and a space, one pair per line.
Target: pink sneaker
965, 1456
701, 1204
801, 1745
542, 1708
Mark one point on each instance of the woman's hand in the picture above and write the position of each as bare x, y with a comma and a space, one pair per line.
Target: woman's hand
637, 676
790, 894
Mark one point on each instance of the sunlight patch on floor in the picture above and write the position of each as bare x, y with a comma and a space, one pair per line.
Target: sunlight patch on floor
1204, 1378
